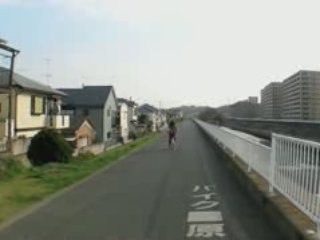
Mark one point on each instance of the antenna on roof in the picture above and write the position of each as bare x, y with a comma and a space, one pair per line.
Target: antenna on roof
48, 75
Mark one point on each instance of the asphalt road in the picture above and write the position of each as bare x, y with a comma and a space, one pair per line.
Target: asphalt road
155, 193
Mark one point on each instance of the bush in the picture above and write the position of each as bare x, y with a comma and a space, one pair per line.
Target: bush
132, 135
85, 156
49, 146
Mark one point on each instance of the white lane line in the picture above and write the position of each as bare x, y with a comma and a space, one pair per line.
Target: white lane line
210, 216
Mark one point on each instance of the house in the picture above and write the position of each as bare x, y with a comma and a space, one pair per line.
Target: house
123, 121
81, 132
98, 103
131, 113
35, 106
152, 114
175, 114
163, 117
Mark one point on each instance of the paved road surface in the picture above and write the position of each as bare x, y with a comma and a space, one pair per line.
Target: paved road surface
154, 194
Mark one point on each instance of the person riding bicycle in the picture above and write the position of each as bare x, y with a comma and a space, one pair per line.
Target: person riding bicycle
172, 131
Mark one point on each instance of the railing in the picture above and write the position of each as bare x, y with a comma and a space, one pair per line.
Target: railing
253, 153
296, 172
291, 165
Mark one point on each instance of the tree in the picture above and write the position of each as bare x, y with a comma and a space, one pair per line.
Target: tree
49, 146
211, 115
143, 119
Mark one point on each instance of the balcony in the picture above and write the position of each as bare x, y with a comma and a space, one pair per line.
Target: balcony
59, 121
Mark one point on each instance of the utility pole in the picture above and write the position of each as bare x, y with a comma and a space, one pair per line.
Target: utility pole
14, 53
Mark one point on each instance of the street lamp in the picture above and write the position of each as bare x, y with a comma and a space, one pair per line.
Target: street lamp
14, 53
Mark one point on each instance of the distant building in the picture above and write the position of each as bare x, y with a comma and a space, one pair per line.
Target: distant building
152, 114
271, 100
123, 122
253, 100
301, 96
131, 113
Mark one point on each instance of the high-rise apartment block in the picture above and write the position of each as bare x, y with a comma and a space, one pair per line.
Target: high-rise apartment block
296, 98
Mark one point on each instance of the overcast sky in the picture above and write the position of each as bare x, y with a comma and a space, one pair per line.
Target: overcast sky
202, 52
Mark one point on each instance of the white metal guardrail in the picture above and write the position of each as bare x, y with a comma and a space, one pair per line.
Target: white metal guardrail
295, 172
255, 154
291, 165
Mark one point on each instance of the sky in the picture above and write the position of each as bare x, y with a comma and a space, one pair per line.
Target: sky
164, 52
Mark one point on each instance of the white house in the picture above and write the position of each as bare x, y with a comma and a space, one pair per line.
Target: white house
132, 113
152, 114
123, 120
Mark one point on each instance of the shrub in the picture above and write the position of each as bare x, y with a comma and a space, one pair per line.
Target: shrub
85, 156
133, 135
49, 146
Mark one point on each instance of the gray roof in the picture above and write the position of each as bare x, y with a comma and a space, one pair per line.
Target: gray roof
88, 96
146, 108
128, 102
25, 83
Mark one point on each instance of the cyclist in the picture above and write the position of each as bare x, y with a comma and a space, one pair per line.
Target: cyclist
172, 132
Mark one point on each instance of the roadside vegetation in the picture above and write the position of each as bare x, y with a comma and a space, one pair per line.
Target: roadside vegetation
21, 187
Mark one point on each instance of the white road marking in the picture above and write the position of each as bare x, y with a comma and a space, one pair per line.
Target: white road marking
205, 230
206, 196
205, 187
205, 205
210, 216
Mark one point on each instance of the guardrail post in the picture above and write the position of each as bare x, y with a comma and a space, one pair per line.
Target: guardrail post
249, 160
272, 163
317, 211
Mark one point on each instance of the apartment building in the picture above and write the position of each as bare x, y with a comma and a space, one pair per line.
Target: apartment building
301, 96
271, 100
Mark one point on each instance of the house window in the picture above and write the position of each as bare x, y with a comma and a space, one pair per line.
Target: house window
62, 120
109, 112
37, 105
114, 118
108, 135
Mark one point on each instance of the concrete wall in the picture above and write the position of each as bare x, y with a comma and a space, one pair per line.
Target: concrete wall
264, 128
20, 146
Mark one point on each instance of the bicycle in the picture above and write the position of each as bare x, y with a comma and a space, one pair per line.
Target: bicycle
172, 144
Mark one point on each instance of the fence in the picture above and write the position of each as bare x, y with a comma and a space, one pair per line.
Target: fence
296, 172
291, 165
253, 153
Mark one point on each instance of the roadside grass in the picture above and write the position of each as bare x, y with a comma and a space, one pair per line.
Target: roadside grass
20, 188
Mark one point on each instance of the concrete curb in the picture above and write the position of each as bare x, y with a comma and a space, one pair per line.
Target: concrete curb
59, 193
285, 223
